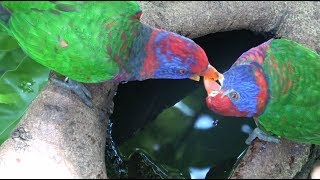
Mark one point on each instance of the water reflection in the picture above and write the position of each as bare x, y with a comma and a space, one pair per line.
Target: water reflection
156, 147
204, 122
178, 141
246, 129
198, 173
184, 108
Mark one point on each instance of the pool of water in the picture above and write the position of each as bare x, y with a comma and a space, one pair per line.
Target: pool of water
167, 125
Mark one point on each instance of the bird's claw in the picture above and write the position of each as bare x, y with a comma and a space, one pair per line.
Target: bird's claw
257, 133
79, 89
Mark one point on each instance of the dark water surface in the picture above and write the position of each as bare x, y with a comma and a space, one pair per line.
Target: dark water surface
166, 123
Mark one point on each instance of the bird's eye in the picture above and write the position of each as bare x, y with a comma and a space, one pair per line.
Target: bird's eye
182, 71
234, 95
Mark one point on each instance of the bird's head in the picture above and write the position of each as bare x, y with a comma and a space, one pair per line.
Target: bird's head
172, 56
243, 92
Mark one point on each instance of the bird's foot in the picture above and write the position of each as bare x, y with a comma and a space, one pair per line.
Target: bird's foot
79, 89
257, 133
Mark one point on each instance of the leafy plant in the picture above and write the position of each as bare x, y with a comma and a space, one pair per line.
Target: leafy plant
21, 80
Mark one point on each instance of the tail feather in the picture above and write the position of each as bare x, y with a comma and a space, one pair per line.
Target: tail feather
5, 15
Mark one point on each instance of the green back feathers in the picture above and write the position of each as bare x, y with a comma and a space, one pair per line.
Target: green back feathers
81, 40
293, 108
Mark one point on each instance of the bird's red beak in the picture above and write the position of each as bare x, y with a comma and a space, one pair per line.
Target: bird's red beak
211, 76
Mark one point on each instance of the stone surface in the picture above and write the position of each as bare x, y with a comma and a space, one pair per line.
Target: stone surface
298, 21
273, 161
65, 139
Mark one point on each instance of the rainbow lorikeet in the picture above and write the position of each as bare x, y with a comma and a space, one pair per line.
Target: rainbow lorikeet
97, 41
276, 83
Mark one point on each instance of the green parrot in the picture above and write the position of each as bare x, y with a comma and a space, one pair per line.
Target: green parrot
93, 41
276, 83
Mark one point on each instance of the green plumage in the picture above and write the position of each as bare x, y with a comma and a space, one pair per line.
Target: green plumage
81, 40
293, 110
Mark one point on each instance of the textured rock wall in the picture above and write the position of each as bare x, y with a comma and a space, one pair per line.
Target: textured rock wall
62, 138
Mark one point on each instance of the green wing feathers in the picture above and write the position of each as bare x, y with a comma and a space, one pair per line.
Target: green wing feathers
73, 38
294, 105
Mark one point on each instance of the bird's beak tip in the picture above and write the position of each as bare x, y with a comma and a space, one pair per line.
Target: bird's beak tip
210, 79
212, 73
195, 78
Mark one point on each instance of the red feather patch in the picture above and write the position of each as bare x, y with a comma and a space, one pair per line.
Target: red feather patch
223, 105
263, 93
150, 62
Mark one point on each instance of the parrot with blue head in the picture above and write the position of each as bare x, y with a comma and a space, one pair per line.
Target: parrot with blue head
93, 41
277, 84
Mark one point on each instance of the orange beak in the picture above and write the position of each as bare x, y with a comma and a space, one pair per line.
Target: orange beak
210, 73
209, 80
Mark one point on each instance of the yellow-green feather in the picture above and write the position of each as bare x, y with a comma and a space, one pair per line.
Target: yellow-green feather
72, 37
293, 110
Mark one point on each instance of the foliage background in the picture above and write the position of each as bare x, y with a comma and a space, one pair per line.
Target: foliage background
21, 80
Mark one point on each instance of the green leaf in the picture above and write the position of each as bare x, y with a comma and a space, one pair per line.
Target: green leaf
21, 80
9, 60
10, 53
7, 42
18, 88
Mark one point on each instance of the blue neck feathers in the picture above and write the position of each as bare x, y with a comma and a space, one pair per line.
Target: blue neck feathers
241, 79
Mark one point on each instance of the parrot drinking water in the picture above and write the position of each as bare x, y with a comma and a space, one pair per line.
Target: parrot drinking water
277, 83
97, 41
